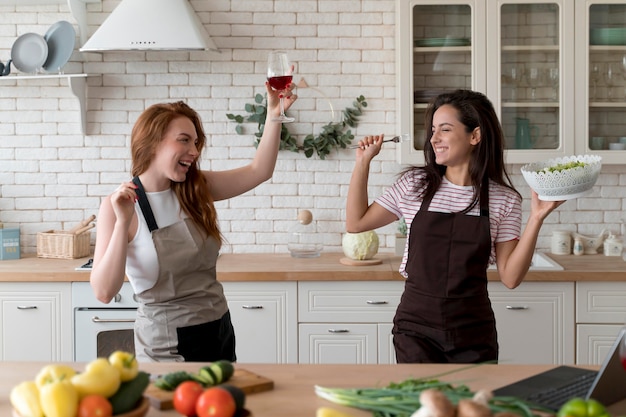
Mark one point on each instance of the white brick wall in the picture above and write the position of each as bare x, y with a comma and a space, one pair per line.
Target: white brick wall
51, 176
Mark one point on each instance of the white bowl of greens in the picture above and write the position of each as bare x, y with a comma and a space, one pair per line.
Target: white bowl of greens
563, 178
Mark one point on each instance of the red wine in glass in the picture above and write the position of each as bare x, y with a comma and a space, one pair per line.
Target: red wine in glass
280, 82
279, 76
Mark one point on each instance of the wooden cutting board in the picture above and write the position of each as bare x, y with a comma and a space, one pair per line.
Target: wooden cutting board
249, 382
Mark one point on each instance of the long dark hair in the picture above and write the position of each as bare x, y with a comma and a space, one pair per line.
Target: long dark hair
193, 193
487, 159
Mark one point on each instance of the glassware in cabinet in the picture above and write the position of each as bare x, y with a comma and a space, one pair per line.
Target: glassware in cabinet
503, 35
605, 133
435, 54
533, 51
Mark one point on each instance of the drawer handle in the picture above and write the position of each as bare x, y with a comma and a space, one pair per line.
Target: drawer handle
338, 331
97, 319
374, 302
27, 307
248, 307
517, 307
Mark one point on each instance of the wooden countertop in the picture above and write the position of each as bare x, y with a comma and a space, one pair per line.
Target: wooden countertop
293, 393
283, 267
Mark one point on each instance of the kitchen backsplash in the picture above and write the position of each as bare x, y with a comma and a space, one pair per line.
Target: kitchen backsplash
52, 176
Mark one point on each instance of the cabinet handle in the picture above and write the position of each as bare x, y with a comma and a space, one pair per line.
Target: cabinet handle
374, 302
249, 307
97, 319
27, 307
338, 331
517, 307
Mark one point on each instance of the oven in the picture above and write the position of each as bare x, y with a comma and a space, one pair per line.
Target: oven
100, 329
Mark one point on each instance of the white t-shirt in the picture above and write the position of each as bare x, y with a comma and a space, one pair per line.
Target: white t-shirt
142, 265
505, 206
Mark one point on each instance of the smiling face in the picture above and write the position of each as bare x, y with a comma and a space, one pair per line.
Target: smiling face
176, 152
451, 142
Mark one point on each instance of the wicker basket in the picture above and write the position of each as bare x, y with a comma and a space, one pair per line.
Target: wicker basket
61, 244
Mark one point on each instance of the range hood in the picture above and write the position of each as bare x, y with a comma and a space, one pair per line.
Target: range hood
150, 25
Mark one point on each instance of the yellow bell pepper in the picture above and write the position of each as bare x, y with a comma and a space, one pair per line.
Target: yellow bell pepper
59, 399
100, 377
24, 398
126, 363
54, 373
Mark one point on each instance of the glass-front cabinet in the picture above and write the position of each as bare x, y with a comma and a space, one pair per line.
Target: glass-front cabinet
601, 105
531, 58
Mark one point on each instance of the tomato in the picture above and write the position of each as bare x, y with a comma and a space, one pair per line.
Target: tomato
185, 397
95, 405
216, 402
578, 407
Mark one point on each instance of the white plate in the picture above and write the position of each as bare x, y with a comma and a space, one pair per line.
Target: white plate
564, 197
61, 38
29, 52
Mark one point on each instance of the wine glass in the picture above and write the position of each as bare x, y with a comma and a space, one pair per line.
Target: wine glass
279, 75
512, 77
624, 72
534, 77
594, 75
553, 76
610, 75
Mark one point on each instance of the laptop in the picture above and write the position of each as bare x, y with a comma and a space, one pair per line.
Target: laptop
552, 388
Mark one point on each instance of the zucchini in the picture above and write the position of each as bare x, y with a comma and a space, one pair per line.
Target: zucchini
170, 381
129, 393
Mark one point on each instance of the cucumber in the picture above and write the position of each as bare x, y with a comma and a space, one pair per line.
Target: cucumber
130, 392
227, 369
238, 395
170, 381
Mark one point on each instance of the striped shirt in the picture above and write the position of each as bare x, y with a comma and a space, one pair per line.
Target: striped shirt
404, 200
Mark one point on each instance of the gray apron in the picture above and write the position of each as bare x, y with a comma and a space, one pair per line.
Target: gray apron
184, 317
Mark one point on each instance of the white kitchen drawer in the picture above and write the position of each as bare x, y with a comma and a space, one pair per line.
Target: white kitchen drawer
601, 302
333, 343
594, 342
356, 302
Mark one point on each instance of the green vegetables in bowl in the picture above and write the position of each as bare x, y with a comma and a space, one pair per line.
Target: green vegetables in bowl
563, 166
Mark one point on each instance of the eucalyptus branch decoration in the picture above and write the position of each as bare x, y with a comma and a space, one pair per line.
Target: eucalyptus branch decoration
334, 135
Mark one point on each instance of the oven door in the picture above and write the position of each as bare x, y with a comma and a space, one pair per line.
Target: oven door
101, 331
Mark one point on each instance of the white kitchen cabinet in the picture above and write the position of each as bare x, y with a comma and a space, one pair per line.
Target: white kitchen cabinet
36, 320
535, 322
494, 47
347, 322
264, 315
600, 314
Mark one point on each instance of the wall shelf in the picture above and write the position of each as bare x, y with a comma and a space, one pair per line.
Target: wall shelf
76, 82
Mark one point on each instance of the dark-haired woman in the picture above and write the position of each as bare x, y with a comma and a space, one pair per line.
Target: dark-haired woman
462, 214
161, 231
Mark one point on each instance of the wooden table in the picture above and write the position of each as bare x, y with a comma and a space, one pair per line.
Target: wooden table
293, 394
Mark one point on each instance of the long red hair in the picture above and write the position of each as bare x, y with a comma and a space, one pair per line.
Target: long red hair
193, 193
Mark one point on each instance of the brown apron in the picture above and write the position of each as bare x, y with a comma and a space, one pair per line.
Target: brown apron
445, 315
184, 317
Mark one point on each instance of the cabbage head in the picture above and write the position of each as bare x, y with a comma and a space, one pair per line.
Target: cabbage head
360, 246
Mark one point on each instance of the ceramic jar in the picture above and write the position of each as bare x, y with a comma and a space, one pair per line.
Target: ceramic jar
561, 242
612, 246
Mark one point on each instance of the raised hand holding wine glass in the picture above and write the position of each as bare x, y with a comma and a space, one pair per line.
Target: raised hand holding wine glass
279, 76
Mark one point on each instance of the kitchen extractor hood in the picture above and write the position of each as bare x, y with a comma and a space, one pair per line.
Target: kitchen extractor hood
150, 25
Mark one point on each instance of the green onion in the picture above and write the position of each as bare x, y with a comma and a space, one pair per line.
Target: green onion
402, 399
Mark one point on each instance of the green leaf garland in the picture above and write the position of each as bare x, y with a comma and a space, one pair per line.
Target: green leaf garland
333, 136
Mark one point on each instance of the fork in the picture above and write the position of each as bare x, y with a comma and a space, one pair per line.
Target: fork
395, 139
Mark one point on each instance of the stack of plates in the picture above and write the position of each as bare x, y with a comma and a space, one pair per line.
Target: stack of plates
607, 36
425, 96
32, 52
442, 42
